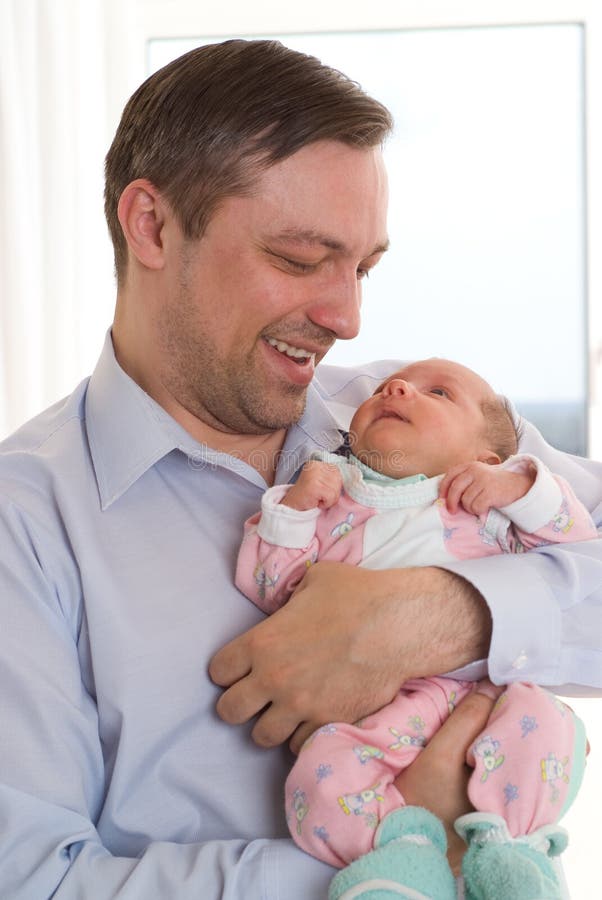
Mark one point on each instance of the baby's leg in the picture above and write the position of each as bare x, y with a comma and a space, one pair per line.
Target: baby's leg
528, 767
529, 761
341, 786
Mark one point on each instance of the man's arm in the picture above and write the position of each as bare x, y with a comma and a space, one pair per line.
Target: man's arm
343, 645
56, 768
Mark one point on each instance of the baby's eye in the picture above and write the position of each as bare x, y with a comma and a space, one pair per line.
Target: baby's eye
440, 391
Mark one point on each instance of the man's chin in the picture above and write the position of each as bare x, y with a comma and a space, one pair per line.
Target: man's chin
271, 410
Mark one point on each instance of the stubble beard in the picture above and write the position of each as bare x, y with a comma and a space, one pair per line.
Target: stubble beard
232, 396
234, 401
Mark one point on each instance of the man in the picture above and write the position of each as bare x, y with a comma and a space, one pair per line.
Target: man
246, 199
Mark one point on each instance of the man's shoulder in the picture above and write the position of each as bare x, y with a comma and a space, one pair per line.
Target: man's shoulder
45, 443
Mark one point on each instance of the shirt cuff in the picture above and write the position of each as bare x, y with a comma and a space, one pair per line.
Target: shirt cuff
291, 874
526, 619
284, 526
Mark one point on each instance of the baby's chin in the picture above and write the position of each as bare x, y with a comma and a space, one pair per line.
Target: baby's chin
392, 463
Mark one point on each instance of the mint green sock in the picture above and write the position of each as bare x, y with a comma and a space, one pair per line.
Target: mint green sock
408, 861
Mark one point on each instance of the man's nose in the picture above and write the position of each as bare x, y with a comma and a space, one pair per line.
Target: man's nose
338, 308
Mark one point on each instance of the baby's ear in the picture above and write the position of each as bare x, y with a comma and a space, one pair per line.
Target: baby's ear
490, 458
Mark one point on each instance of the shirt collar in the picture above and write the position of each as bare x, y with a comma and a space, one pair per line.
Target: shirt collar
129, 432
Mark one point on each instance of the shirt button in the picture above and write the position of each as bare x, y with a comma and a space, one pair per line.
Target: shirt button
521, 660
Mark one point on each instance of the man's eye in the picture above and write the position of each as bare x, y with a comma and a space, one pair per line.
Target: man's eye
362, 273
297, 266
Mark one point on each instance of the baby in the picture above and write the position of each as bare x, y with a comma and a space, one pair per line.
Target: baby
432, 476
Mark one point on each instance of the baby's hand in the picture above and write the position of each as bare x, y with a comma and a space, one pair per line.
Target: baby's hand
477, 486
319, 484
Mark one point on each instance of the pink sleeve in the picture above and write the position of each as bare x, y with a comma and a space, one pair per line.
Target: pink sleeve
549, 513
569, 522
280, 544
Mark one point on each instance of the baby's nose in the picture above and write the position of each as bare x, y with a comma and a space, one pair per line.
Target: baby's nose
399, 386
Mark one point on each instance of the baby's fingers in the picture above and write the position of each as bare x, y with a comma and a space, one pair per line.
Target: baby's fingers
449, 477
332, 485
458, 485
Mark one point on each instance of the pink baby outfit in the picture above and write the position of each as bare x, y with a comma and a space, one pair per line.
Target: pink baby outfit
529, 760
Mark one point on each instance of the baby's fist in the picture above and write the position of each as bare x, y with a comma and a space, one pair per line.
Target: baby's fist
319, 485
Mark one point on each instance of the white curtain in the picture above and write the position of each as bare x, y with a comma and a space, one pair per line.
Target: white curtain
56, 282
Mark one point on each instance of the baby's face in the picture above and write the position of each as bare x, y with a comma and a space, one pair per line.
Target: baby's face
425, 419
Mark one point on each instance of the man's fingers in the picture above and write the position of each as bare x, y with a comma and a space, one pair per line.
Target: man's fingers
464, 725
241, 702
303, 732
274, 727
438, 777
231, 663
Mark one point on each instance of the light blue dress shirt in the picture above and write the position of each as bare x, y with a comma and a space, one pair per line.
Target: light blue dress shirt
118, 541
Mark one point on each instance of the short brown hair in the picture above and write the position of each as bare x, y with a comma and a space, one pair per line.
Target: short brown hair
202, 128
501, 433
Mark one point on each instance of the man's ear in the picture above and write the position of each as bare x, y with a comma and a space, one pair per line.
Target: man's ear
141, 213
489, 457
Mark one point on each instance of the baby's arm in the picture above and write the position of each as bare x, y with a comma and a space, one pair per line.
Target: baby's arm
285, 538
541, 507
477, 486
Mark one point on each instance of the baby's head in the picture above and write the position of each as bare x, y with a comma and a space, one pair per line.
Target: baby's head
429, 416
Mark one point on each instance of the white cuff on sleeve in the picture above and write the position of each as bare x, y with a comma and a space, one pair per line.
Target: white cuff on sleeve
283, 526
541, 503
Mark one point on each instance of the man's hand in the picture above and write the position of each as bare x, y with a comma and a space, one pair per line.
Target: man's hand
343, 645
438, 777
319, 485
477, 487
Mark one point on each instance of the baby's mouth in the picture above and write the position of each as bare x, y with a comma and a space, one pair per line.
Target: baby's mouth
391, 414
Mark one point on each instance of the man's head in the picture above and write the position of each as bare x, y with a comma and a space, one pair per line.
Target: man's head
203, 127
429, 416
246, 192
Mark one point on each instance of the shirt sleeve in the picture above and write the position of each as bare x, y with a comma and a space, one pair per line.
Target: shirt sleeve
53, 769
546, 605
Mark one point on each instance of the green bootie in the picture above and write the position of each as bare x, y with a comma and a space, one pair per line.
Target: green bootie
408, 862
497, 866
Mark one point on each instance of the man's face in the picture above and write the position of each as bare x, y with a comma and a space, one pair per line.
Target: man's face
424, 419
254, 305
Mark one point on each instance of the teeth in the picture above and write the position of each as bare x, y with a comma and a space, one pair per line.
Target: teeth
289, 350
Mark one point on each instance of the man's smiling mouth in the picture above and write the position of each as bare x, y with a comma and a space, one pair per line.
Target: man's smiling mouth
296, 353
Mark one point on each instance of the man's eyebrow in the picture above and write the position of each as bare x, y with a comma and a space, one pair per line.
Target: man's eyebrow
312, 238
